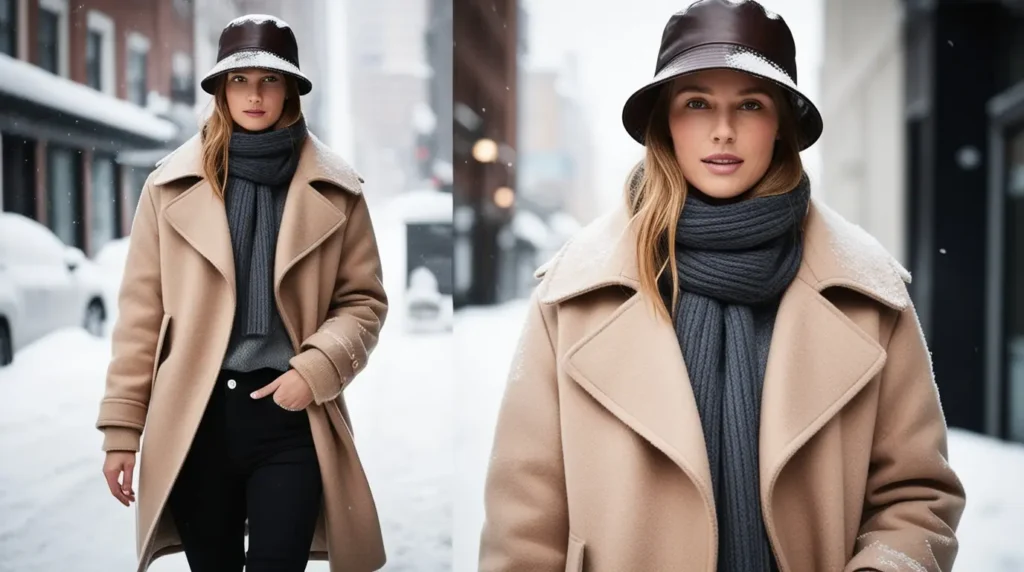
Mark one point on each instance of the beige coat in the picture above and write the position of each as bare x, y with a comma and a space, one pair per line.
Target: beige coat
599, 461
177, 301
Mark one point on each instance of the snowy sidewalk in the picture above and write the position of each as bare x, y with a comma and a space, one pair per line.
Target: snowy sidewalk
59, 516
992, 471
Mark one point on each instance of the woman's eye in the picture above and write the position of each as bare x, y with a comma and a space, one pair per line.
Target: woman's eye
696, 104
270, 79
238, 78
751, 106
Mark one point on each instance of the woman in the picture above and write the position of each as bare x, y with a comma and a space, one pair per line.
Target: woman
647, 426
251, 297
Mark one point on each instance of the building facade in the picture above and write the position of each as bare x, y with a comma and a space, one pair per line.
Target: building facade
485, 83
389, 91
439, 57
924, 147
556, 154
80, 84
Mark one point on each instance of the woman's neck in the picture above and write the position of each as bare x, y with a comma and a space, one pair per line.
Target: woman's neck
704, 198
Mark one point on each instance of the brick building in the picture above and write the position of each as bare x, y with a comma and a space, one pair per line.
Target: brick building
82, 85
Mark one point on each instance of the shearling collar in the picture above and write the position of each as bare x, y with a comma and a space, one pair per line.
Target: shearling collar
836, 253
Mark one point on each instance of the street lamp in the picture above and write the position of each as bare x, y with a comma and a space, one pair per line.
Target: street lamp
504, 197
485, 150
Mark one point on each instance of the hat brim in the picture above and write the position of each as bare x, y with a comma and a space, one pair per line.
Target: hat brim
637, 111
255, 59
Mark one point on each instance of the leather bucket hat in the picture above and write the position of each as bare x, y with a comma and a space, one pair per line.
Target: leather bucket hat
257, 41
723, 34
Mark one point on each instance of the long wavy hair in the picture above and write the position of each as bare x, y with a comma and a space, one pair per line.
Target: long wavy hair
216, 131
655, 192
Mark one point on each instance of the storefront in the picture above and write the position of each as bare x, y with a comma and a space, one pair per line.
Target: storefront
965, 204
59, 144
1005, 315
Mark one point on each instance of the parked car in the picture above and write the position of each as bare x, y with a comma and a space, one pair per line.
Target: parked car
45, 285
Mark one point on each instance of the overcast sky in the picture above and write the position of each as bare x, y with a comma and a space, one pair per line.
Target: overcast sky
616, 42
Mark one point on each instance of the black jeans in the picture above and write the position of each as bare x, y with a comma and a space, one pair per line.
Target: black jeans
250, 459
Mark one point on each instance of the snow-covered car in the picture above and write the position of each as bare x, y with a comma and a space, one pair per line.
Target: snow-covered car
45, 285
8, 315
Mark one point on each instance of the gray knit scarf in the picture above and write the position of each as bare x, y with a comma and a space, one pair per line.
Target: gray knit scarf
731, 257
260, 168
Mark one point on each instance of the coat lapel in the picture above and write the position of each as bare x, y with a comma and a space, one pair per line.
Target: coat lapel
309, 217
642, 380
197, 214
631, 363
818, 361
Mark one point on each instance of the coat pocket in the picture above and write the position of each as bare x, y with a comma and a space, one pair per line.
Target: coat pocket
161, 341
574, 554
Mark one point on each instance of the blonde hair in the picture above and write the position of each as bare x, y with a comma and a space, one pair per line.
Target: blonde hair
656, 192
216, 131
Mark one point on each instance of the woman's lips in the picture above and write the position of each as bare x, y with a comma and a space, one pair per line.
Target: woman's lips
722, 164
255, 113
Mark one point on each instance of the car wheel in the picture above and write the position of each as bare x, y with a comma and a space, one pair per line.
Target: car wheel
95, 317
6, 345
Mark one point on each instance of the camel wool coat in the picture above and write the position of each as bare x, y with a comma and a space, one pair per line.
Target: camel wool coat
177, 303
599, 462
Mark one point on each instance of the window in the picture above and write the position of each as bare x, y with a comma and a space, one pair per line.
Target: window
183, 8
138, 54
9, 27
105, 220
93, 53
18, 173
48, 48
63, 195
52, 48
182, 79
99, 52
1014, 285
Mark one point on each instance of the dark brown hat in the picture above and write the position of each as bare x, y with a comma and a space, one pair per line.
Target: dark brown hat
257, 41
725, 34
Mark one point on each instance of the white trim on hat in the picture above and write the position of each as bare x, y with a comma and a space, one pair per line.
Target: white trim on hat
257, 59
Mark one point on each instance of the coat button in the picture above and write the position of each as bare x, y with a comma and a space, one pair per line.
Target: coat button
232, 384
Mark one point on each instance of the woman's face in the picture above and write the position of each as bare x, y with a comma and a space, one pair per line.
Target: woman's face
723, 124
255, 98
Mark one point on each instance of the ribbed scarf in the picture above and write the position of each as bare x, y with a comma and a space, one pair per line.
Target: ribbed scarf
731, 257
260, 168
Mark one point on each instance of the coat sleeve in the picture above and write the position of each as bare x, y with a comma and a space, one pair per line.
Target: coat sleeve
526, 511
125, 402
913, 500
332, 356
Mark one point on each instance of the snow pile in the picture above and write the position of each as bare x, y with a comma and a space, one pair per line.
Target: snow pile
32, 83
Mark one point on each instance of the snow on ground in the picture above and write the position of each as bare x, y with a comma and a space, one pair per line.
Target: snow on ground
59, 516
992, 471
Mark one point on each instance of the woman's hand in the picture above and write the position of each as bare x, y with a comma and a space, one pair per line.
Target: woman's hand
120, 463
290, 391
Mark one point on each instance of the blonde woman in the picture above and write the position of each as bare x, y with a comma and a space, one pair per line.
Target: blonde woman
251, 298
723, 375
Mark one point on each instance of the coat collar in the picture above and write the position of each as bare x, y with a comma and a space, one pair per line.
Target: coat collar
819, 359
309, 217
836, 253
317, 163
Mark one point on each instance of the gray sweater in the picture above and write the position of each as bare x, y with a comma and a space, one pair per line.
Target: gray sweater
249, 353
